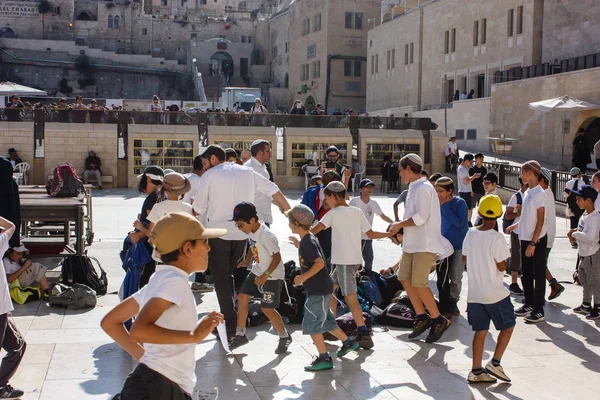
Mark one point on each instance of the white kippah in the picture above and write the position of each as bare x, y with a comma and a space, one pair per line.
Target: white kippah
414, 158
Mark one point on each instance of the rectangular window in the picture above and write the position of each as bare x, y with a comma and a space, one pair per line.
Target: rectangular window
376, 63
460, 134
318, 69
56, 10
165, 2
453, 44
372, 65
317, 23
376, 152
393, 58
357, 69
249, 39
484, 31
446, 42
303, 151
287, 47
388, 61
412, 52
145, 31
203, 2
243, 39
347, 68
349, 20
305, 26
358, 20
519, 20
274, 52
510, 22
471, 134
406, 54
475, 33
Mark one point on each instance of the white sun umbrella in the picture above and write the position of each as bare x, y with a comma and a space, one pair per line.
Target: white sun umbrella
564, 104
10, 88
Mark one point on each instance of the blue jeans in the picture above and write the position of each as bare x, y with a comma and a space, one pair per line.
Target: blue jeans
367, 253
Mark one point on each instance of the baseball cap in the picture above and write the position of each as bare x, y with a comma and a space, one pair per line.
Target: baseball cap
490, 206
547, 174
20, 248
154, 172
365, 183
244, 212
574, 171
176, 183
336, 187
176, 228
586, 191
469, 157
302, 214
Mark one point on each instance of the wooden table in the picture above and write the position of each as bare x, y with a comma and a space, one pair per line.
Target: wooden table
41, 207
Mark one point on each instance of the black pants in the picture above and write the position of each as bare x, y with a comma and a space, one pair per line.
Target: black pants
144, 383
149, 268
534, 274
324, 238
14, 345
223, 259
443, 284
574, 220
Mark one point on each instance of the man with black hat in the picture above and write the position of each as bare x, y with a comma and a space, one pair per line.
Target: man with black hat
222, 187
13, 157
369, 207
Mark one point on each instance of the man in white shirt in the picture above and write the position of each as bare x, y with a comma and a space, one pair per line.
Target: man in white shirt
194, 178
422, 244
465, 190
222, 186
545, 179
511, 217
573, 210
261, 155
451, 153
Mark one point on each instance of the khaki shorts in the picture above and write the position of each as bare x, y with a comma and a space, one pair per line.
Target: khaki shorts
416, 267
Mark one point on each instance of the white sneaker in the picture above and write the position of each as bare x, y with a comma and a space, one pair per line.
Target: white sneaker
201, 287
484, 377
497, 372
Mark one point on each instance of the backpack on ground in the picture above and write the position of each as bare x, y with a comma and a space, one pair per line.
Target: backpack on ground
508, 222
81, 269
398, 315
65, 182
291, 305
371, 291
347, 324
256, 316
78, 296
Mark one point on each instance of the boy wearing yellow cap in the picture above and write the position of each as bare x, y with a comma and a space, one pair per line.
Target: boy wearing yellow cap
486, 253
166, 320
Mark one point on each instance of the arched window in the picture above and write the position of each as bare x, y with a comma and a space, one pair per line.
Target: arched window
117, 22
84, 16
110, 22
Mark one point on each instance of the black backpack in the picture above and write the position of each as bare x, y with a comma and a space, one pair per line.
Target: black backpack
508, 222
65, 182
292, 302
80, 269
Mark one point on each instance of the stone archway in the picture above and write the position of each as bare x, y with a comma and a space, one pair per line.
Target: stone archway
591, 127
310, 103
8, 33
84, 16
221, 64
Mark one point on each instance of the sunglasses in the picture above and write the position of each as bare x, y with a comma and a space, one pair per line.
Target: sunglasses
241, 226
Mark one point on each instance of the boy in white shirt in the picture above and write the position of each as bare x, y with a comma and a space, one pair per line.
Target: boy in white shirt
265, 280
166, 320
370, 208
532, 231
588, 251
486, 254
347, 224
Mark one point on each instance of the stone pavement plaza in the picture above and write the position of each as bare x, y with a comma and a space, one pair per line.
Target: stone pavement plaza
69, 357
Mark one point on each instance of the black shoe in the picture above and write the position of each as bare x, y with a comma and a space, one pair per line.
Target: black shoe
523, 311
556, 291
9, 392
593, 314
583, 309
437, 330
364, 339
237, 341
515, 289
283, 345
535, 316
421, 325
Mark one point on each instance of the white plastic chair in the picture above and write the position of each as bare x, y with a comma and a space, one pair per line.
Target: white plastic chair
20, 173
357, 178
309, 171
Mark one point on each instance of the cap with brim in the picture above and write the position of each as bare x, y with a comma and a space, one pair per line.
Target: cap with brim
20, 248
176, 183
574, 171
415, 158
244, 211
365, 183
490, 206
586, 191
174, 229
154, 172
547, 174
332, 148
336, 187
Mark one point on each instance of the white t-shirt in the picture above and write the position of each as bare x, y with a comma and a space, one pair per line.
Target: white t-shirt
463, 172
347, 226
587, 234
483, 250
534, 199
423, 206
264, 245
6, 304
194, 185
597, 203
451, 148
167, 206
175, 361
258, 110
513, 203
10, 267
154, 107
370, 210
550, 217
262, 201
447, 251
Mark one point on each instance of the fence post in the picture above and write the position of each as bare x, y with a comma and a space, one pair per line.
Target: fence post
554, 182
501, 175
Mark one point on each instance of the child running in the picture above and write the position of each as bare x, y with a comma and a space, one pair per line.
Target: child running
486, 253
347, 224
265, 280
588, 250
318, 285
166, 320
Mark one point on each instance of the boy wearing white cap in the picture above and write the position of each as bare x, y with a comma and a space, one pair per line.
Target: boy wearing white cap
19, 267
166, 320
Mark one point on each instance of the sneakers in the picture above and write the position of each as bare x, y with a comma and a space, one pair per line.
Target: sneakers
364, 339
345, 349
593, 314
515, 290
583, 309
283, 345
523, 311
319, 364
201, 287
437, 330
237, 341
421, 325
483, 377
556, 291
535, 316
497, 372
9, 392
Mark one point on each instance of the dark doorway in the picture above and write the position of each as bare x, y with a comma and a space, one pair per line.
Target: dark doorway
450, 93
8, 33
480, 86
243, 67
